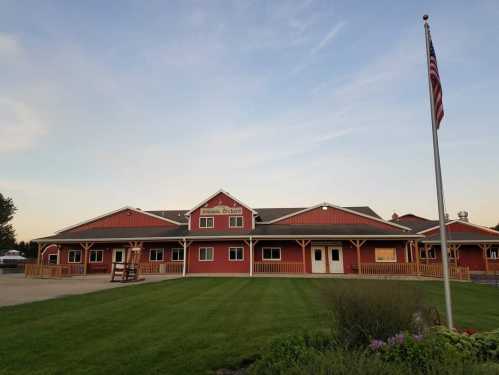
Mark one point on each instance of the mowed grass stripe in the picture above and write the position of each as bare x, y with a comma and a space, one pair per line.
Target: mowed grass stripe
189, 326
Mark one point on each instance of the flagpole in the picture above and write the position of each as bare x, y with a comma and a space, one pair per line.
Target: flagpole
440, 194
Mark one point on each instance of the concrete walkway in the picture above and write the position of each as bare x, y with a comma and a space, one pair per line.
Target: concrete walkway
16, 289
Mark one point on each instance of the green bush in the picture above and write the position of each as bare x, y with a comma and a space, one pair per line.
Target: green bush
315, 354
487, 345
374, 311
290, 352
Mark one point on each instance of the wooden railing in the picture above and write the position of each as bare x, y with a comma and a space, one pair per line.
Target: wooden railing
278, 267
46, 270
388, 268
410, 269
436, 270
157, 267
76, 268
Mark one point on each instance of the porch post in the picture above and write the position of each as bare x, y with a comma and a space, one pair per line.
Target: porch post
303, 244
86, 246
58, 254
416, 250
358, 244
251, 256
184, 267
484, 248
39, 256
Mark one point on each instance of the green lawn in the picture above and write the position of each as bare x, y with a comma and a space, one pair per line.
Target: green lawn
187, 326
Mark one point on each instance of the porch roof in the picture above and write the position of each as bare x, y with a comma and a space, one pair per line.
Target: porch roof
463, 238
278, 231
329, 230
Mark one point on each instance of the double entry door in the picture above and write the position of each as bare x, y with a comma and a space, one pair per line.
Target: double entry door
327, 259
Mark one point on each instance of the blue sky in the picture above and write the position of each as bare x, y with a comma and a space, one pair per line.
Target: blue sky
158, 104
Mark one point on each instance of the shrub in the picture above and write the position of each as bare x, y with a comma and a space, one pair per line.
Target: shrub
314, 354
290, 352
487, 345
374, 311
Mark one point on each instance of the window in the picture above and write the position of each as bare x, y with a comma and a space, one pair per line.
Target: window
52, 258
156, 255
335, 255
177, 255
271, 253
493, 253
236, 253
205, 254
431, 253
205, 222
119, 255
96, 256
385, 255
318, 255
235, 221
74, 256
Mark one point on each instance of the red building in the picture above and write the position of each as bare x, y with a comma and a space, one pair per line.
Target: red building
222, 235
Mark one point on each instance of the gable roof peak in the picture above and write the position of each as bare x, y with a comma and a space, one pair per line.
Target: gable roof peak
125, 208
220, 191
327, 204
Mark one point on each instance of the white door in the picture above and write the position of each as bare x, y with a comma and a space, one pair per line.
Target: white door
318, 259
336, 260
118, 255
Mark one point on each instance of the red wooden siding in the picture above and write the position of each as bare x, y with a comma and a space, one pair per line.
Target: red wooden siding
333, 216
221, 222
220, 262
125, 218
459, 227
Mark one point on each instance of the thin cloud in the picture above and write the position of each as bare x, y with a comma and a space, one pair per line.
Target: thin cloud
20, 126
9, 46
328, 37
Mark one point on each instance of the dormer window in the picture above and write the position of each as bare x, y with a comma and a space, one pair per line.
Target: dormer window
235, 221
206, 222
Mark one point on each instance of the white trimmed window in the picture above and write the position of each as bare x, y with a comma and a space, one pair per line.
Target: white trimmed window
206, 222
156, 255
74, 256
429, 255
52, 258
205, 254
235, 221
493, 253
385, 255
236, 254
177, 255
271, 253
96, 256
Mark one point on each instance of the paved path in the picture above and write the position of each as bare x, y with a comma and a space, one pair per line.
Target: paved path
16, 289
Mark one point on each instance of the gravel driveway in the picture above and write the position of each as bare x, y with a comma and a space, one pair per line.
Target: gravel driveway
16, 289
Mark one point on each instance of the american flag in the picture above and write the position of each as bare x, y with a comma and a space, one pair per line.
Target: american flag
435, 84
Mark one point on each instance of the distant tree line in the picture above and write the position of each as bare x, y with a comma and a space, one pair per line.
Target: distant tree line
7, 232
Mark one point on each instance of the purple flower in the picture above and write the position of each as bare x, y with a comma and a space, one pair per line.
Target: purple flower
398, 339
376, 345
418, 337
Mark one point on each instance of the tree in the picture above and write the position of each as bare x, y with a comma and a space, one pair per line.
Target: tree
7, 232
496, 227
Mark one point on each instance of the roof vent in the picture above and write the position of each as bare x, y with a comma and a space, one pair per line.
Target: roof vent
463, 215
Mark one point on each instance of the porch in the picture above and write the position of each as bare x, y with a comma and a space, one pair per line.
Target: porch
269, 256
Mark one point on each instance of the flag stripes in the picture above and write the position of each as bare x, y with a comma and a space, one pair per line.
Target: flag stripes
435, 84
